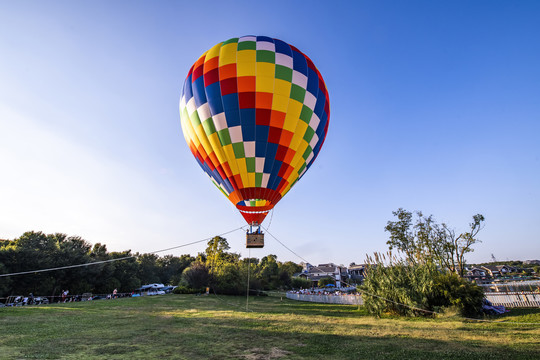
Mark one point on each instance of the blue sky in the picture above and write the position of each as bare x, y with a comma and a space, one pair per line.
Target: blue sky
434, 107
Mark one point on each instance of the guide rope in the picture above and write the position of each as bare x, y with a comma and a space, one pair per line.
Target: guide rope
249, 265
116, 259
271, 217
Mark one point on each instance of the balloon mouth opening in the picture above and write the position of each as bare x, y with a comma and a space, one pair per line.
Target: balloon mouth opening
254, 215
255, 203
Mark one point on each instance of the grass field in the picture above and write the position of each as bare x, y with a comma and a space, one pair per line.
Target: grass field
199, 327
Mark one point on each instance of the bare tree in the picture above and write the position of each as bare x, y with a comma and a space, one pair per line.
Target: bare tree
426, 241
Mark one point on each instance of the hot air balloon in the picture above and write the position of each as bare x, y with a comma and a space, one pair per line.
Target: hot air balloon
254, 113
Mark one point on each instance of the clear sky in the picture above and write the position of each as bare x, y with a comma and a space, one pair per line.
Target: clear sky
435, 106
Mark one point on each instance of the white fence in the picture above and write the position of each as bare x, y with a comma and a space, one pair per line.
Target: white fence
510, 300
514, 299
512, 286
328, 299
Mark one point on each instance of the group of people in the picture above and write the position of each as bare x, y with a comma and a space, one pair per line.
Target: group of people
318, 292
64, 297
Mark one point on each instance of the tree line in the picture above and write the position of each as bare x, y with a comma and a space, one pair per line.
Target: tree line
224, 271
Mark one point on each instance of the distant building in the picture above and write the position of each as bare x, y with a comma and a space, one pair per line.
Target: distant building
476, 273
314, 273
498, 270
357, 272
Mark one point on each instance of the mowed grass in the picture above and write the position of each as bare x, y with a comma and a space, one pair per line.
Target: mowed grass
211, 327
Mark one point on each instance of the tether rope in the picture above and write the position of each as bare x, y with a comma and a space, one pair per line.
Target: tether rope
271, 217
249, 265
116, 259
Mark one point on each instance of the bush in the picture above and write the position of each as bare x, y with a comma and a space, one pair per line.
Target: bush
404, 289
300, 283
195, 276
450, 290
227, 280
326, 281
188, 290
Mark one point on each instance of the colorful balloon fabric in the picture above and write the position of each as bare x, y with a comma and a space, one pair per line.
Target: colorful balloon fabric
254, 113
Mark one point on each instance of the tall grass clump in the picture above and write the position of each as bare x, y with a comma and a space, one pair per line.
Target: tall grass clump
400, 287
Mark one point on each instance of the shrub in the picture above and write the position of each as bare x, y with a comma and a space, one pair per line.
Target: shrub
300, 283
326, 281
450, 290
227, 280
195, 276
182, 289
404, 289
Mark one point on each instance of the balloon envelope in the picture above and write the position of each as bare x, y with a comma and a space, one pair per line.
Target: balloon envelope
254, 113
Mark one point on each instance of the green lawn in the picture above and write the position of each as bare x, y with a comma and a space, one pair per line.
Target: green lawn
200, 327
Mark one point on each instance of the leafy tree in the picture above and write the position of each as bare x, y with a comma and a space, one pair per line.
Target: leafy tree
102, 274
196, 276
228, 280
269, 272
148, 270
425, 241
171, 268
300, 283
290, 267
326, 281
216, 252
217, 266
254, 281
32, 251
99, 252
5, 282
72, 250
286, 272
124, 276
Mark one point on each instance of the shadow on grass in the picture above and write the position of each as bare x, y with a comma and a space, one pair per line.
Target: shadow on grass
189, 327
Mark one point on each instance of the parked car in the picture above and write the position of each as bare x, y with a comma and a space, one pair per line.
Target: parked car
153, 289
168, 289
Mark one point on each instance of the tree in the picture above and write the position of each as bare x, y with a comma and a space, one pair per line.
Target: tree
300, 283
425, 241
250, 266
196, 276
73, 250
126, 271
290, 267
216, 252
223, 267
5, 282
269, 272
326, 281
228, 280
148, 268
33, 251
171, 267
